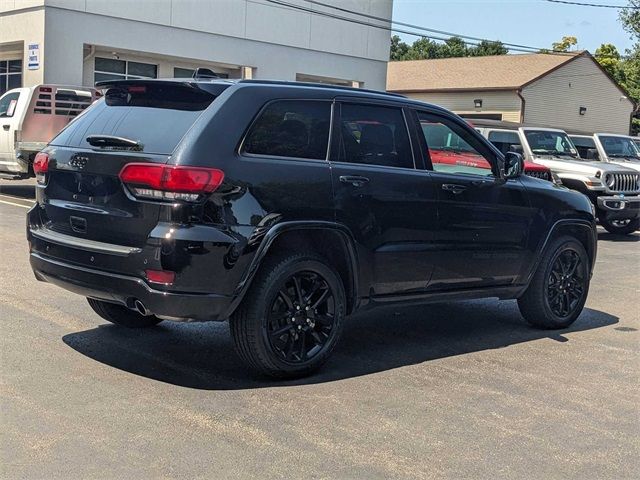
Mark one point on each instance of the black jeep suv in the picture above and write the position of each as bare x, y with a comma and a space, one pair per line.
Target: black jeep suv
286, 207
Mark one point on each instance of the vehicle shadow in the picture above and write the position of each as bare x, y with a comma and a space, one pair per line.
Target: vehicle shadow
612, 237
200, 355
23, 191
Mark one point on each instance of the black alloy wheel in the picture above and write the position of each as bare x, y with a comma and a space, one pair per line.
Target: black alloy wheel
301, 318
290, 320
559, 287
566, 283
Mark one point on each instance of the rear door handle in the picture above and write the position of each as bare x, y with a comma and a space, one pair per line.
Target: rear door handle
454, 188
6, 127
354, 180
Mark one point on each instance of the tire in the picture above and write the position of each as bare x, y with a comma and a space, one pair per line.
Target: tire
121, 315
271, 335
631, 225
552, 287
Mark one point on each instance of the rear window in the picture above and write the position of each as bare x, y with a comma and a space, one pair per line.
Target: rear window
586, 142
155, 116
503, 140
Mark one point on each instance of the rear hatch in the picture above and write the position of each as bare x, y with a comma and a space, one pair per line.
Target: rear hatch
136, 121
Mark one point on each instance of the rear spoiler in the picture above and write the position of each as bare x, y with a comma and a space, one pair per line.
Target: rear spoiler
212, 86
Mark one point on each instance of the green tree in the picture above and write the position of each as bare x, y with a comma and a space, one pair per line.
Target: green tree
399, 48
630, 19
565, 44
454, 47
608, 57
424, 48
486, 47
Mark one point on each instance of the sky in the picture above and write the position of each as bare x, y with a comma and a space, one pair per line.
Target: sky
535, 23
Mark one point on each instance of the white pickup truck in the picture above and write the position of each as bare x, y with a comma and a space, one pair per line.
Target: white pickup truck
30, 117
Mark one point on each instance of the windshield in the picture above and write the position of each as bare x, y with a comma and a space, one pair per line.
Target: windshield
544, 142
620, 147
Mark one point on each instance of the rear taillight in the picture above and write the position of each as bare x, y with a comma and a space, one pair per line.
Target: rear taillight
170, 182
41, 167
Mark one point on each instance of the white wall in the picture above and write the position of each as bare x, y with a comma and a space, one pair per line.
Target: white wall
506, 103
555, 100
23, 28
256, 20
67, 31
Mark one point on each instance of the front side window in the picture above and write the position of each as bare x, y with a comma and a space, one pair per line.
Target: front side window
10, 75
114, 69
544, 142
452, 148
620, 147
291, 128
8, 104
374, 135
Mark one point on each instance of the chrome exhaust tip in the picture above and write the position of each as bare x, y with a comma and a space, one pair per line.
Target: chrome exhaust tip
140, 308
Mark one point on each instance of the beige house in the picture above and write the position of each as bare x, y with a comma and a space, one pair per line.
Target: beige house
564, 91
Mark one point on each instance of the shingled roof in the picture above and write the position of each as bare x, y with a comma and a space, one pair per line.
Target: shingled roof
496, 72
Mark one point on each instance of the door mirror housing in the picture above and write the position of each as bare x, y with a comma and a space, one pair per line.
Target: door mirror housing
513, 165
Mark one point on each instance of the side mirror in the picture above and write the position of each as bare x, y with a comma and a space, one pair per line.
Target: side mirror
513, 165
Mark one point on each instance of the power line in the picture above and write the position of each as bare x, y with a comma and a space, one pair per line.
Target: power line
598, 5
417, 27
299, 7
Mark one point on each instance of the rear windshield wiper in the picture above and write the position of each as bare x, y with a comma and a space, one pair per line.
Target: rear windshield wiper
112, 141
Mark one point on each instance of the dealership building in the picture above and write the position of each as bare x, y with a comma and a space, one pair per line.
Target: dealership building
79, 42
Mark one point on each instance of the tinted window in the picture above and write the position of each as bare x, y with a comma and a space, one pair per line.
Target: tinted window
504, 140
374, 135
156, 116
583, 145
291, 128
452, 148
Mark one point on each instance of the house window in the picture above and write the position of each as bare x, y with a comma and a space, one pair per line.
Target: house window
10, 75
188, 73
113, 69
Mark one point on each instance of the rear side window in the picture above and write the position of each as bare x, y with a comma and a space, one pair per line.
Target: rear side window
504, 140
291, 128
586, 147
374, 135
155, 116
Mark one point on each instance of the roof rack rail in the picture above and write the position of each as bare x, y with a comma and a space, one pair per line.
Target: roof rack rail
322, 85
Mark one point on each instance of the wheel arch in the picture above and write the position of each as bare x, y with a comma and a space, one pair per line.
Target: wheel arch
582, 230
328, 239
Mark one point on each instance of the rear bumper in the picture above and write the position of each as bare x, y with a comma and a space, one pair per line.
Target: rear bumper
616, 207
125, 290
16, 166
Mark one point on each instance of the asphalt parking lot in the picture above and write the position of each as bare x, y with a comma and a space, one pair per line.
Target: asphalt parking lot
464, 390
